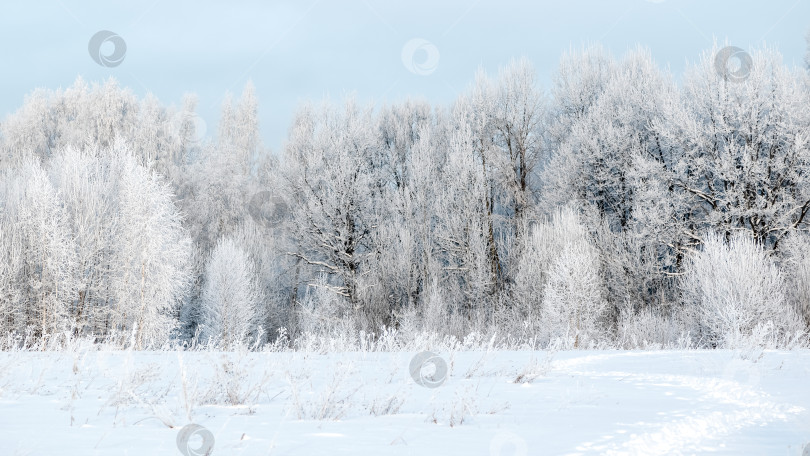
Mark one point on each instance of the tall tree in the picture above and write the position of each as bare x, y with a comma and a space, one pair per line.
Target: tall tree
578, 82
230, 307
504, 117
614, 164
330, 183
517, 117
404, 192
89, 187
151, 268
464, 227
101, 235
238, 133
744, 148
472, 117
48, 279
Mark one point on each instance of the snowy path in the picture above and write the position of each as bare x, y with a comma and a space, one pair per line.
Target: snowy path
704, 431
696, 402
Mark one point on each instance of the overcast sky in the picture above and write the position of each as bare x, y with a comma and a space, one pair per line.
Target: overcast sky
378, 50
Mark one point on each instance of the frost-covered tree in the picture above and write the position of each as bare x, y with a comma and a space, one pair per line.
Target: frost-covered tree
559, 287
473, 141
464, 228
744, 150
238, 133
517, 115
736, 296
29, 132
615, 163
46, 280
151, 249
407, 165
88, 187
94, 244
230, 298
12, 308
218, 183
96, 115
275, 275
578, 82
595, 162
330, 184
544, 244
573, 301
502, 117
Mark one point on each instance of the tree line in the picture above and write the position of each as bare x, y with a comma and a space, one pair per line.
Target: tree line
616, 207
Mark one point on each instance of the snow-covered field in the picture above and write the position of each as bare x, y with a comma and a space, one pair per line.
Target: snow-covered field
496, 403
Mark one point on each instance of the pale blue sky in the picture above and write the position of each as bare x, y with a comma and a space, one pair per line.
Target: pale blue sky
295, 51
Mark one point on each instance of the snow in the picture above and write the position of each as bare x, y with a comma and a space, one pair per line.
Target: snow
297, 403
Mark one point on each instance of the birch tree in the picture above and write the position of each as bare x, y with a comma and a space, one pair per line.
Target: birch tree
151, 252
89, 189
48, 267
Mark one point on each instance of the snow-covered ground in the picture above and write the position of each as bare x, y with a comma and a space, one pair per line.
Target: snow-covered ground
496, 403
